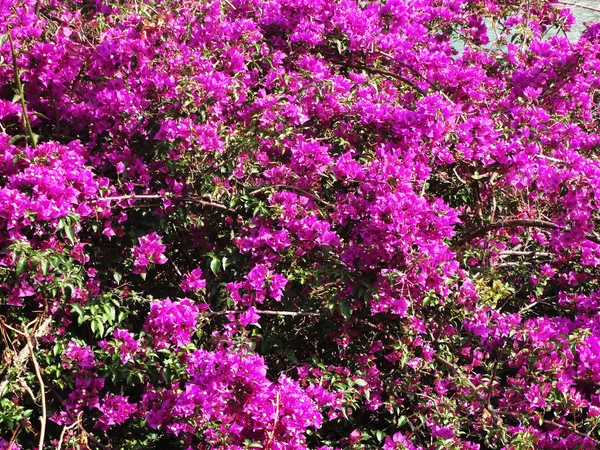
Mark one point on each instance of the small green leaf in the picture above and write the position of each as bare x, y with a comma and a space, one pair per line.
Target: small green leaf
98, 329
76, 307
117, 276
70, 232
478, 176
44, 266
226, 262
21, 265
360, 382
168, 374
345, 310
15, 138
68, 290
215, 266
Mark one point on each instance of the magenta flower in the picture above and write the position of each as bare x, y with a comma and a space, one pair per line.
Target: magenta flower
115, 410
193, 281
149, 251
171, 323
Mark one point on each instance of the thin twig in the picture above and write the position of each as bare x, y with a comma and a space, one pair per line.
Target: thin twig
271, 434
38, 374
66, 428
388, 74
87, 434
293, 188
268, 313
196, 200
552, 423
578, 5
23, 354
523, 253
530, 223
14, 435
21, 91
474, 388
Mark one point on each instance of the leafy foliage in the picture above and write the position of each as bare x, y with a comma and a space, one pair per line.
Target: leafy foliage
298, 224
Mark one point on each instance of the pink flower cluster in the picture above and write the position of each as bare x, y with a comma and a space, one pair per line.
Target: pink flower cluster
149, 251
389, 209
171, 323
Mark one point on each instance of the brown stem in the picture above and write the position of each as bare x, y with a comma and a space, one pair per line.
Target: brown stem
15, 434
21, 91
552, 423
195, 200
38, 374
476, 391
65, 429
268, 313
293, 188
578, 5
528, 223
87, 434
23, 354
271, 434
388, 74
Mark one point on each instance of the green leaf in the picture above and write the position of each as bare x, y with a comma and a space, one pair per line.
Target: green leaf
360, 382
15, 138
44, 266
76, 307
21, 265
110, 312
226, 262
70, 232
168, 374
215, 265
345, 310
68, 290
98, 328
117, 276
478, 176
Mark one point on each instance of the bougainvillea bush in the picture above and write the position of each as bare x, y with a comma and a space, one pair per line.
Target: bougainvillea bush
293, 224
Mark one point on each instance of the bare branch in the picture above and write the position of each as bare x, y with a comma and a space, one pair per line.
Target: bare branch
578, 5
292, 188
23, 355
66, 428
38, 374
480, 396
196, 200
268, 313
554, 424
527, 223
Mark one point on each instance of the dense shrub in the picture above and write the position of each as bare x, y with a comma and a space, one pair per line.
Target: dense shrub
298, 224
